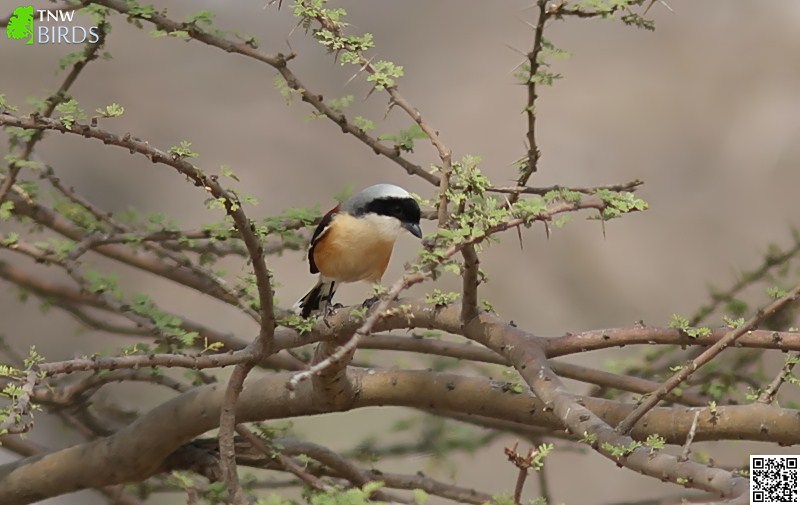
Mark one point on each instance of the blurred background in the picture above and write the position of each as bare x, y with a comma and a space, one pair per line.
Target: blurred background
706, 111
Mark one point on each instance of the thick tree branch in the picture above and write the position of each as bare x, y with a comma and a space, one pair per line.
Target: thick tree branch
729, 339
529, 359
140, 449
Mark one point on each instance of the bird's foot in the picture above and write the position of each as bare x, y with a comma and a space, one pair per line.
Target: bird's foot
369, 302
330, 311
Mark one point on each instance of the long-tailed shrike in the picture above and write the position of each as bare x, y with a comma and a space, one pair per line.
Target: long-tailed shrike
354, 241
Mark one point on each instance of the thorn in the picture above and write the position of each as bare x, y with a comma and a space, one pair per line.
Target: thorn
516, 67
531, 25
389, 107
363, 67
518, 51
293, 29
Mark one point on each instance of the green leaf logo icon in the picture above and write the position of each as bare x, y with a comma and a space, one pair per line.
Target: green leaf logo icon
20, 25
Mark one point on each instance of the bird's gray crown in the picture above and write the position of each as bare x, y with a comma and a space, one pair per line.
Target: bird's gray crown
359, 202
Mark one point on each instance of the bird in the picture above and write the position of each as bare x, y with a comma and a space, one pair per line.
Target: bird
354, 241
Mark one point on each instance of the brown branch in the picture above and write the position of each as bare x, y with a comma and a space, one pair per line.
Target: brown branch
102, 299
445, 154
19, 418
126, 235
278, 62
431, 486
196, 362
469, 283
541, 191
80, 390
208, 183
690, 438
530, 107
477, 353
14, 443
90, 53
339, 358
340, 465
138, 450
147, 261
770, 392
707, 355
529, 359
71, 299
617, 337
523, 464
771, 261
227, 427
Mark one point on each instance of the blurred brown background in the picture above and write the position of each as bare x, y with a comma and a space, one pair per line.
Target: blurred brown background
706, 111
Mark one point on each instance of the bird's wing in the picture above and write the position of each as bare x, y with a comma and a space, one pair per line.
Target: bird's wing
322, 228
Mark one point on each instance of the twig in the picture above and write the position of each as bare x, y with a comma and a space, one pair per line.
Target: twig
18, 419
528, 358
278, 62
530, 111
469, 283
144, 361
618, 337
568, 370
409, 280
90, 53
186, 416
709, 354
544, 485
71, 300
523, 464
127, 236
768, 395
690, 437
445, 154
528, 190
771, 260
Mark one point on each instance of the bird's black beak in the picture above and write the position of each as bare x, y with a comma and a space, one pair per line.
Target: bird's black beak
414, 229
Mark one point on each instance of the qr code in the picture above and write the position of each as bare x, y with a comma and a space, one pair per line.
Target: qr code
773, 480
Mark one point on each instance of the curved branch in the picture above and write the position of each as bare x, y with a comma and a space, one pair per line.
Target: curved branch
530, 360
140, 449
280, 63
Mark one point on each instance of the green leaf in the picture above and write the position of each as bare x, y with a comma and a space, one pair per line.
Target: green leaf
384, 74
6, 210
439, 298
183, 150
655, 441
113, 110
404, 140
70, 113
363, 123
776, 292
421, 497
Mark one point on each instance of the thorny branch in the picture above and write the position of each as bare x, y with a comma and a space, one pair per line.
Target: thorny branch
546, 408
90, 53
730, 338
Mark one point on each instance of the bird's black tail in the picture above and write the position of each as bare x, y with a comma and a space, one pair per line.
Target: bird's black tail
317, 299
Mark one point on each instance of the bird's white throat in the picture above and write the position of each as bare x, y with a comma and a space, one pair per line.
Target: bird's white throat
388, 227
